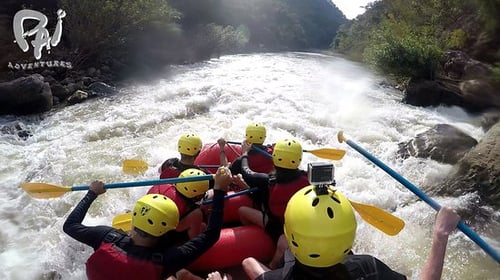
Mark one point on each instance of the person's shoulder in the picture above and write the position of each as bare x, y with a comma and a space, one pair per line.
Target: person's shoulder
113, 235
172, 161
369, 267
169, 163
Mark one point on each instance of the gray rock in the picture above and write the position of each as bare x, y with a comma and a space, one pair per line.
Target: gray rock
458, 65
59, 90
431, 93
17, 128
100, 88
489, 119
480, 93
78, 97
478, 171
25, 95
443, 143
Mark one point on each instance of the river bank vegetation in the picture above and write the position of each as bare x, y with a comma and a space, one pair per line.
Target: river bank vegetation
129, 36
408, 38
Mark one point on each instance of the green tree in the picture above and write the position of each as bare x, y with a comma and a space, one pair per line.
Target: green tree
457, 39
400, 49
107, 27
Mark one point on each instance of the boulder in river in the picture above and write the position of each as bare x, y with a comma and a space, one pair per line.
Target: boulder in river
443, 143
25, 95
478, 171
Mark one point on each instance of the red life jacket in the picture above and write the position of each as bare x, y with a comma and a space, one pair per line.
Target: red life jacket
280, 194
261, 163
173, 167
110, 261
184, 205
170, 172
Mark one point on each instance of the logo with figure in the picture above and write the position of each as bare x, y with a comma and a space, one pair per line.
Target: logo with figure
42, 36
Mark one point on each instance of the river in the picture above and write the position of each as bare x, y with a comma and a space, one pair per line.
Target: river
303, 95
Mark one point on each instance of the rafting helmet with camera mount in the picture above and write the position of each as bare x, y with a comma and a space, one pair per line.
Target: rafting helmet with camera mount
320, 225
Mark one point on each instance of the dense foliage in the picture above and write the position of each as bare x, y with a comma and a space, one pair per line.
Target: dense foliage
407, 38
140, 34
150, 32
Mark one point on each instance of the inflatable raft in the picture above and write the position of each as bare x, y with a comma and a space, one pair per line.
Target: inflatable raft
210, 155
231, 207
234, 245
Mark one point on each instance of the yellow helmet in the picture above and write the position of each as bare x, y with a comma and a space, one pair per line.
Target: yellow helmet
192, 189
320, 228
189, 144
155, 214
287, 154
255, 133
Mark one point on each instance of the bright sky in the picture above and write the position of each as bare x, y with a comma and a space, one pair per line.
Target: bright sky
351, 8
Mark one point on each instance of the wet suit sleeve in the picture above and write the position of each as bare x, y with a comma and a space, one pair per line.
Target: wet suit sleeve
253, 179
91, 236
180, 257
235, 166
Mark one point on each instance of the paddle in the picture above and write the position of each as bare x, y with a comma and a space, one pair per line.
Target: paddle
138, 166
461, 225
380, 219
45, 190
377, 217
326, 153
124, 221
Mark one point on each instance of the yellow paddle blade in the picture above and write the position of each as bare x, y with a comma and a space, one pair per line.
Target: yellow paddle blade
123, 221
134, 166
327, 153
382, 220
44, 190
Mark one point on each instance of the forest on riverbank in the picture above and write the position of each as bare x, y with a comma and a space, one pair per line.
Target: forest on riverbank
438, 52
129, 36
408, 38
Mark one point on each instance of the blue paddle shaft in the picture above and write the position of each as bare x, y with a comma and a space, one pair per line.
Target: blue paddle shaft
463, 227
148, 182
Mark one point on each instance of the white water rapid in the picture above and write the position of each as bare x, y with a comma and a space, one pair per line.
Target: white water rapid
307, 96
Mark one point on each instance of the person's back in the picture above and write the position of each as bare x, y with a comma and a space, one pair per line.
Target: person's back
118, 258
320, 228
140, 254
287, 183
281, 185
189, 146
353, 267
259, 156
187, 195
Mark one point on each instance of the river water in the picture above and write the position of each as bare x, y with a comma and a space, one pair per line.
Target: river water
306, 96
